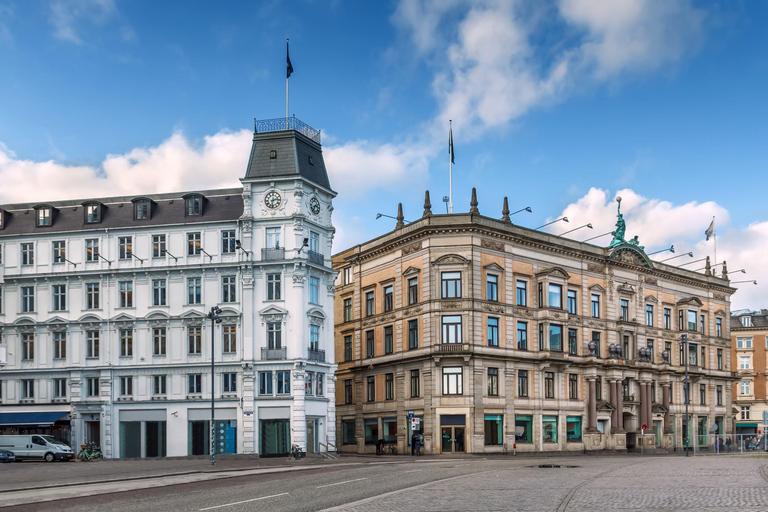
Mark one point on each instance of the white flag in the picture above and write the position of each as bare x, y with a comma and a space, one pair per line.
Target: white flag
711, 229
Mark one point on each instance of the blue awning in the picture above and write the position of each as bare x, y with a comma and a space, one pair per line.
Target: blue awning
30, 419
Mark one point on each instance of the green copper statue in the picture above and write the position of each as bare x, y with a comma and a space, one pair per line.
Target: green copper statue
621, 228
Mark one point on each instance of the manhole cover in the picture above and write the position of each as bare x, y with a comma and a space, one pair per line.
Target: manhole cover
551, 466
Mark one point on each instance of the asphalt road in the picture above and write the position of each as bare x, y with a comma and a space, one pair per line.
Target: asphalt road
590, 483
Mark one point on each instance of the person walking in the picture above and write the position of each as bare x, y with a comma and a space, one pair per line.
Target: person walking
414, 443
728, 444
379, 444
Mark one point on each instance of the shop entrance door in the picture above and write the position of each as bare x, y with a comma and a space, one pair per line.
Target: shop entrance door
452, 440
311, 436
93, 432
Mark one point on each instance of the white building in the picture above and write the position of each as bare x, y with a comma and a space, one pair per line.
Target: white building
104, 304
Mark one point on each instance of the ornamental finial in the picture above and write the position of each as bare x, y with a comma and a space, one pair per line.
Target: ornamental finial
505, 211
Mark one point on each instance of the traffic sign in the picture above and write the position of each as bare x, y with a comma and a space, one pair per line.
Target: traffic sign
644, 427
714, 427
410, 414
765, 416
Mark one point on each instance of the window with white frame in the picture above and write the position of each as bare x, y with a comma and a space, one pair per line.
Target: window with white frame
92, 344
744, 363
125, 294
273, 286
92, 296
314, 337
59, 345
126, 342
453, 380
27, 253
194, 243
28, 346
314, 242
27, 389
59, 297
274, 335
492, 287
745, 387
229, 339
194, 340
521, 293
194, 290
228, 244
228, 287
159, 385
126, 387
92, 386
265, 383
273, 238
92, 249
158, 246
124, 247
451, 329
229, 383
194, 384
314, 290
283, 383
159, 292
159, 340
27, 299
59, 251
59, 388
745, 412
413, 290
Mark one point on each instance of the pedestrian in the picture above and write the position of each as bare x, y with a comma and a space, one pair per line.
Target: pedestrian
728, 444
419, 444
379, 444
414, 443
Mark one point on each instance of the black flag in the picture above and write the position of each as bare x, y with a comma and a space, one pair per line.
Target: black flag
288, 57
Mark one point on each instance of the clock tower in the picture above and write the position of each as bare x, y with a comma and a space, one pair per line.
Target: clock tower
288, 290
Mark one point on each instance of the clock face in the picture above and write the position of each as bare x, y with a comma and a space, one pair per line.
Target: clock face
272, 200
314, 206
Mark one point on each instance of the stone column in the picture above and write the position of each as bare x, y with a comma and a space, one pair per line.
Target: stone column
619, 405
612, 386
665, 403
592, 405
643, 403
649, 411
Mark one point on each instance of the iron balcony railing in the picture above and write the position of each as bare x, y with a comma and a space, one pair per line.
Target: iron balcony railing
316, 258
286, 123
316, 355
273, 354
276, 254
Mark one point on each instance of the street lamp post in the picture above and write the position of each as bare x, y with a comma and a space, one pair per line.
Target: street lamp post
687, 393
215, 319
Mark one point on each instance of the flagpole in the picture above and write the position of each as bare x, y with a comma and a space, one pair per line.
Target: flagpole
450, 168
714, 232
287, 77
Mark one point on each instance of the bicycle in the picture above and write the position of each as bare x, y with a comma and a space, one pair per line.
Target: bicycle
296, 452
90, 452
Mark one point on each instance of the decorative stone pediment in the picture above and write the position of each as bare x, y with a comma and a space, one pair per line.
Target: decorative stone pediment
452, 259
558, 272
690, 301
122, 317
273, 314
631, 255
494, 267
659, 408
411, 271
597, 288
158, 315
626, 289
651, 299
316, 316
603, 405
719, 312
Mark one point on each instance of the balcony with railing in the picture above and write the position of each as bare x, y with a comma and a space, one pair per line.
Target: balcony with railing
274, 254
316, 258
451, 348
273, 354
316, 355
286, 123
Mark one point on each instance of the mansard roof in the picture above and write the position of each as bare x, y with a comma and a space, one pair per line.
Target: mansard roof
168, 209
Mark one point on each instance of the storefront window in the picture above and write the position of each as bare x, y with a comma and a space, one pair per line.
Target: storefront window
493, 429
549, 429
573, 428
389, 425
523, 428
371, 430
348, 432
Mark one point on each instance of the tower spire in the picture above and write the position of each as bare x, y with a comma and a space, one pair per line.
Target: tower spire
400, 224
505, 211
427, 205
473, 202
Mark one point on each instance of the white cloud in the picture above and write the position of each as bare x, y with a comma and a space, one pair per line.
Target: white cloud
172, 166
6, 14
659, 224
65, 15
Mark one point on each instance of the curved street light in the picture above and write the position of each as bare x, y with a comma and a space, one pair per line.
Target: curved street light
671, 249
678, 256
564, 219
574, 229
747, 281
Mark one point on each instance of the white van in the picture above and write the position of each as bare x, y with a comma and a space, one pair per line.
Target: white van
37, 446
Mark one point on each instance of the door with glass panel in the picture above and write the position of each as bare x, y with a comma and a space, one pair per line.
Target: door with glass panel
452, 440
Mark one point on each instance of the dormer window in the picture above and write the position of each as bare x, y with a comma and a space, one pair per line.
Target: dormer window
194, 204
142, 209
2, 219
93, 212
44, 216
746, 321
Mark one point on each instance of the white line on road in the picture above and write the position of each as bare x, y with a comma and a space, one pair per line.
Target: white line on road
339, 483
246, 501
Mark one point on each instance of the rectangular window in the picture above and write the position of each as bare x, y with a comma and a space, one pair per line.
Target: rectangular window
573, 341
228, 289
126, 294
314, 337
141, 210
158, 246
194, 340
493, 382
702, 324
370, 389
348, 432
413, 334
451, 329
92, 213
194, 244
273, 238
692, 321
693, 355
745, 412
556, 338
370, 304
27, 254
314, 242
158, 292
413, 290
493, 332
44, 217
314, 290
389, 345
229, 384
126, 386
719, 327
522, 335
274, 335
452, 380
744, 363
573, 428
92, 386
347, 275
389, 386
719, 395
194, 205
194, 290
159, 385
596, 340
265, 383
59, 292
27, 299
59, 251
274, 287
549, 429
59, 345
27, 389
194, 384
522, 383
549, 385
92, 296
573, 387
348, 393
555, 296
595, 305
744, 342
667, 318
125, 247
91, 249
347, 348
599, 388
492, 287
228, 241
229, 339
451, 285
284, 383
702, 394
719, 359
370, 344
347, 310
572, 308
522, 293
92, 344
523, 428
703, 361
158, 341
126, 342
389, 298
494, 433
415, 383
649, 315
371, 430
625, 310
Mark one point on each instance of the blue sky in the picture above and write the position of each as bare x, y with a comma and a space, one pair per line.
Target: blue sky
559, 105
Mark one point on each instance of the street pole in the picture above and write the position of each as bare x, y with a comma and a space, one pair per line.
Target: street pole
214, 316
684, 337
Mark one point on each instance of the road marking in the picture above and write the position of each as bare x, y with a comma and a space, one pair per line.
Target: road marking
246, 501
339, 483
414, 471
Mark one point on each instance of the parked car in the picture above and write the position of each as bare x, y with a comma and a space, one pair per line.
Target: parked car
7, 456
37, 446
